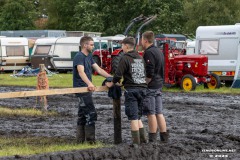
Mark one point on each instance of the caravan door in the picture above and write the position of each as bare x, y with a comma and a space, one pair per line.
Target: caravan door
43, 53
62, 53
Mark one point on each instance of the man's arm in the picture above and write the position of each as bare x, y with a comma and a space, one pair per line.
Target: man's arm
84, 77
149, 65
100, 71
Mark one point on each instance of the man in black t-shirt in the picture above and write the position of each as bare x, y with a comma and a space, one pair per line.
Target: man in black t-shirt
154, 63
82, 77
131, 68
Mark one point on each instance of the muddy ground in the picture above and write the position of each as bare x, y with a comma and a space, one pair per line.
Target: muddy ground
204, 125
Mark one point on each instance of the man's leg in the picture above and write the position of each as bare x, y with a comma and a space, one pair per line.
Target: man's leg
91, 118
131, 110
135, 132
160, 118
142, 132
81, 122
161, 123
152, 123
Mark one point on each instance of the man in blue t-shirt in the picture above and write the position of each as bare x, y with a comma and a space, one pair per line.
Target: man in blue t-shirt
82, 77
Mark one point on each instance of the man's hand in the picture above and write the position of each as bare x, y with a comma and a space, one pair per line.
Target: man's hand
148, 80
109, 84
91, 87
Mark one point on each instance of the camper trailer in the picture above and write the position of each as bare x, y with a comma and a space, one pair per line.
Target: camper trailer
14, 53
55, 53
221, 45
190, 49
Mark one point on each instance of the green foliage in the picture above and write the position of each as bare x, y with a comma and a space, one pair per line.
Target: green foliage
210, 12
112, 17
60, 13
17, 15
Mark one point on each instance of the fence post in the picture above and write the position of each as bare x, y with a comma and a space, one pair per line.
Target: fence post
117, 121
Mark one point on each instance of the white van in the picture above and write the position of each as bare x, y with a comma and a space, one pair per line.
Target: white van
55, 53
221, 45
14, 53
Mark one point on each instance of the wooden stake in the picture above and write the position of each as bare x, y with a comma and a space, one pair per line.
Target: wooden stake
117, 121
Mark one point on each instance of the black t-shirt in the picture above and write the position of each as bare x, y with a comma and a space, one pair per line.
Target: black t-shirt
131, 68
87, 62
154, 60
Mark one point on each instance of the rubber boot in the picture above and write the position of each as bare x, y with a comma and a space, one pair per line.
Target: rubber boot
80, 134
164, 137
152, 137
90, 134
135, 137
143, 138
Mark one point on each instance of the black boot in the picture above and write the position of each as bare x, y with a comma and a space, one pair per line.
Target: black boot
90, 133
152, 137
135, 137
143, 138
164, 136
80, 134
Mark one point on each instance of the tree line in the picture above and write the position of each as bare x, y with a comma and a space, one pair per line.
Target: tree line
112, 16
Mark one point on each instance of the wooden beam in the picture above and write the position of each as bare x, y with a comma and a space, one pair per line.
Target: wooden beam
49, 92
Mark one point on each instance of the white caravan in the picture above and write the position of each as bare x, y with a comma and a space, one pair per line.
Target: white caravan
14, 53
55, 53
221, 45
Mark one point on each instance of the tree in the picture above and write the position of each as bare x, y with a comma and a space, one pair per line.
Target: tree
112, 16
210, 12
17, 15
60, 13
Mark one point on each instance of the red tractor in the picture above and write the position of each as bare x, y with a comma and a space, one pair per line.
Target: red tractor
184, 70
187, 71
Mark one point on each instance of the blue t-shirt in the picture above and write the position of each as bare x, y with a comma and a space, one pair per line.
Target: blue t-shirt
87, 62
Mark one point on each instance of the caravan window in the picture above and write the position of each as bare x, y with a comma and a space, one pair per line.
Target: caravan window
42, 50
15, 50
209, 47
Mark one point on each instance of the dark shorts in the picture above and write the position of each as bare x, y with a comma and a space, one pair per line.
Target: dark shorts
152, 103
87, 114
134, 103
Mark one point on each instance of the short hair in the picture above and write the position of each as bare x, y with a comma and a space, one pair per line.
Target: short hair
85, 39
149, 36
130, 41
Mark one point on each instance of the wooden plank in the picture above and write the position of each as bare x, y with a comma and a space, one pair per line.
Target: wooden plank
49, 92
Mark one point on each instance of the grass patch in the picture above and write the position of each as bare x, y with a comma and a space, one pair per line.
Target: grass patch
201, 89
10, 146
8, 112
58, 80
65, 81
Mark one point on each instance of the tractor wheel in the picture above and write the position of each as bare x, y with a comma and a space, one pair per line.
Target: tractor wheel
115, 61
188, 83
97, 61
214, 83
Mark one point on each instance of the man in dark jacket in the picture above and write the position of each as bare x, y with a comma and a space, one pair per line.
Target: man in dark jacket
154, 61
131, 68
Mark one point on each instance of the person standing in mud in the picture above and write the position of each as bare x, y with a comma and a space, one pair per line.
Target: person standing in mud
131, 68
154, 63
82, 77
